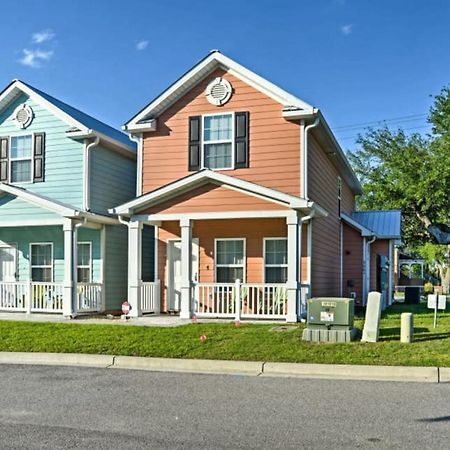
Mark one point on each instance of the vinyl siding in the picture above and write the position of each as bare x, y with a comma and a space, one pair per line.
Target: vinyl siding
14, 209
113, 179
326, 253
63, 156
274, 141
213, 198
353, 262
116, 271
24, 236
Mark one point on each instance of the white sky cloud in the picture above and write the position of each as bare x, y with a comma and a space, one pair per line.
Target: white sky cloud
35, 58
142, 45
346, 29
42, 36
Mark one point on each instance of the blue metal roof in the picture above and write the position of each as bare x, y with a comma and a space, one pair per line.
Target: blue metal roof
384, 224
88, 121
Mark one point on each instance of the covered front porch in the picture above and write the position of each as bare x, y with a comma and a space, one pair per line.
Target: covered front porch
51, 255
37, 274
222, 248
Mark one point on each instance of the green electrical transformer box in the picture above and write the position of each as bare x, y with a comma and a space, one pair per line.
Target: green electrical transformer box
331, 313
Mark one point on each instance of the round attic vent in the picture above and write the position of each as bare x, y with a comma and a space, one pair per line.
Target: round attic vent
23, 115
219, 91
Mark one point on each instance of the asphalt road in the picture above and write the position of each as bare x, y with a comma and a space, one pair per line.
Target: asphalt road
66, 407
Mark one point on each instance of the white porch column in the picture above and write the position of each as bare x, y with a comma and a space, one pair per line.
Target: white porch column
293, 247
186, 256
68, 286
134, 267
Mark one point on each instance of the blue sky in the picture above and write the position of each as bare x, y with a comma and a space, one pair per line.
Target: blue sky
359, 61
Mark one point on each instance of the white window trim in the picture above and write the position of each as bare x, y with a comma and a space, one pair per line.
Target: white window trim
264, 256
41, 267
243, 265
90, 266
222, 141
10, 160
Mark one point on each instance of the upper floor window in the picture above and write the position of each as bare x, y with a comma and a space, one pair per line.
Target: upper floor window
21, 159
218, 141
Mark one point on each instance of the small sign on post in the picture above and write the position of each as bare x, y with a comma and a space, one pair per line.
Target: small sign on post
436, 302
126, 307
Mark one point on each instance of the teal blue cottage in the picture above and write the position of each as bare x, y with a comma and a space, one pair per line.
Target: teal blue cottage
60, 171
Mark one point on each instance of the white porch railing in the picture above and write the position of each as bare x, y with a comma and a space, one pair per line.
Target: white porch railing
89, 297
45, 297
244, 300
14, 296
149, 295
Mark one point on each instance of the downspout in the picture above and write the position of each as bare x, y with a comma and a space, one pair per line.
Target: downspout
138, 140
75, 264
87, 173
305, 157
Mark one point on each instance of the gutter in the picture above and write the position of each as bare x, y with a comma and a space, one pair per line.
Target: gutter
87, 173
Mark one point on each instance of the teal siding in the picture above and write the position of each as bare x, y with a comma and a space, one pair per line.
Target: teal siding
117, 267
13, 208
113, 179
22, 237
63, 156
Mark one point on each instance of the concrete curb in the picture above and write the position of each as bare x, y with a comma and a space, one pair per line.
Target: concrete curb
189, 365
444, 374
353, 372
57, 359
225, 367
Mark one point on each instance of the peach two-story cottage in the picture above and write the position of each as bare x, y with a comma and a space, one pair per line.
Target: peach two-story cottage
251, 199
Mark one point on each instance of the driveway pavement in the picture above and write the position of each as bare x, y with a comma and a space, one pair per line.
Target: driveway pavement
56, 407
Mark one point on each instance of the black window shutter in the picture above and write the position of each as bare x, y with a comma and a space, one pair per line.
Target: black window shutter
241, 147
4, 159
195, 132
39, 153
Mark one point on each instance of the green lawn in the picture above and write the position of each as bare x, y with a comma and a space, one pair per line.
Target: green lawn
248, 342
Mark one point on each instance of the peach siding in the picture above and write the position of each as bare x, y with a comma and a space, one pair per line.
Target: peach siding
274, 141
253, 230
379, 247
213, 198
353, 262
326, 252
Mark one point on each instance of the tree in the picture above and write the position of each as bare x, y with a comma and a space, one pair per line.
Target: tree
412, 173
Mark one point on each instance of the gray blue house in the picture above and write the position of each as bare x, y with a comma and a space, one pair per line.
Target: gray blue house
60, 171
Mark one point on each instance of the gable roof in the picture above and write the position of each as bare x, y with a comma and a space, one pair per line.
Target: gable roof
385, 224
293, 107
64, 209
193, 76
209, 176
81, 124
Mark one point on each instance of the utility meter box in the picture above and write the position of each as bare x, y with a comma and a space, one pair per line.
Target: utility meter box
331, 312
330, 319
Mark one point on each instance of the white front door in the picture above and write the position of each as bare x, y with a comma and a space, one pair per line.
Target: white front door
8, 254
174, 272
